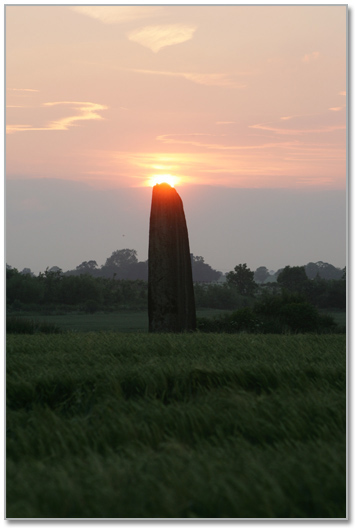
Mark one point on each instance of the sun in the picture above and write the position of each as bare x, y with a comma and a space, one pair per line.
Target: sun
163, 179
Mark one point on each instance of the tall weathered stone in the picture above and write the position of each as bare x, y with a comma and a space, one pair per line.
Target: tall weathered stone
171, 303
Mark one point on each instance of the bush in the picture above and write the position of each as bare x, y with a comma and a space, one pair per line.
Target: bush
275, 315
300, 317
271, 305
242, 320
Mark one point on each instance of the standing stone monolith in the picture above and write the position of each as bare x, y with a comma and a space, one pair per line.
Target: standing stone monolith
171, 302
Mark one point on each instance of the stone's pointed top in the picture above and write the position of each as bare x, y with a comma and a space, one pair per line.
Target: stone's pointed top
164, 191
163, 185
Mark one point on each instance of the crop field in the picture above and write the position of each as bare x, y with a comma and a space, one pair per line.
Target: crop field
135, 425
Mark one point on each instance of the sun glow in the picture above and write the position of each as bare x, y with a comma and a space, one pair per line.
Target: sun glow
163, 179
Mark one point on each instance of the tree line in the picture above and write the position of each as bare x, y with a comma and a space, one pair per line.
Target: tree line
320, 292
115, 287
124, 264
313, 270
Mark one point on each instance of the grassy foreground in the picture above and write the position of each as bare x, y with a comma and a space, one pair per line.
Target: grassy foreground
111, 425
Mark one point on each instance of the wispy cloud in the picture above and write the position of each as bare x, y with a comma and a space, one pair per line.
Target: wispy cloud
23, 90
296, 132
88, 111
209, 79
336, 109
313, 115
157, 37
189, 139
213, 79
118, 14
309, 57
343, 93
224, 122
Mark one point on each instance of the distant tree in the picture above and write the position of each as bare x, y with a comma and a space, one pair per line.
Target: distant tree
312, 270
324, 270
316, 291
243, 279
201, 271
261, 274
293, 278
277, 273
336, 294
136, 271
122, 258
26, 271
54, 269
87, 267
51, 280
10, 272
22, 288
78, 289
118, 265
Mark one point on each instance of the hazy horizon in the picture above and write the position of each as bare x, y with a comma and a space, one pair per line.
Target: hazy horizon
262, 227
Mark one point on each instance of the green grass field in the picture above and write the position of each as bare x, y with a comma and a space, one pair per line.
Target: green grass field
115, 425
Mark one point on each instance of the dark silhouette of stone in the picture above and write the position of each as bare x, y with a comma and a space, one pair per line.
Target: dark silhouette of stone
171, 302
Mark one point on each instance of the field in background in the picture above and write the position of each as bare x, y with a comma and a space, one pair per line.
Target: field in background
129, 321
338, 315
113, 425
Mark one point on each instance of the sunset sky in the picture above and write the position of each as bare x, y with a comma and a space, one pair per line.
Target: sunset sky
249, 101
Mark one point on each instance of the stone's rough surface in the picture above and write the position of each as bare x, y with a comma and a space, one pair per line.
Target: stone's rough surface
171, 303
